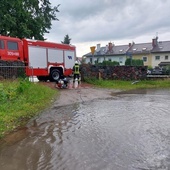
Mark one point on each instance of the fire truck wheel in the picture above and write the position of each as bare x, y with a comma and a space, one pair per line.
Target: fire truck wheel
55, 75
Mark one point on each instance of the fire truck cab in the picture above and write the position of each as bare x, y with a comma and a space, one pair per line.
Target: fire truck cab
11, 49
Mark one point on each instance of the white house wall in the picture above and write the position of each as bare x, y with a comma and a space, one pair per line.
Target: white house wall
87, 60
120, 59
162, 58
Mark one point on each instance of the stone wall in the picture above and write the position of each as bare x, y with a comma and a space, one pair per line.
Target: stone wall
113, 72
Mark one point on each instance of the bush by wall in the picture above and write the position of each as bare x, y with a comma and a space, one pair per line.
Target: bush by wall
134, 62
107, 63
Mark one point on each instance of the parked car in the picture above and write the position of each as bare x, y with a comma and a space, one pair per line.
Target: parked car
157, 71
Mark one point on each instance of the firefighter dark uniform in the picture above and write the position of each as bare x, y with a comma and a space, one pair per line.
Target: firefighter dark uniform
76, 72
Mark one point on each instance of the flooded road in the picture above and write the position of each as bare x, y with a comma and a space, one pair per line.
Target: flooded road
124, 131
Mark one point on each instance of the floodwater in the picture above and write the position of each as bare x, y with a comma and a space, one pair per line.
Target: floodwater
127, 131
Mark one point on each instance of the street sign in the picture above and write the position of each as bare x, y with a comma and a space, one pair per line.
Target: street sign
92, 49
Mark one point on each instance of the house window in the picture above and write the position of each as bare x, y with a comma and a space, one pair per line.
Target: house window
90, 60
166, 57
97, 61
121, 60
1, 44
144, 59
12, 45
157, 57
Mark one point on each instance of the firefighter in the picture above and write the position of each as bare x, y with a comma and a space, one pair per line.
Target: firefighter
76, 73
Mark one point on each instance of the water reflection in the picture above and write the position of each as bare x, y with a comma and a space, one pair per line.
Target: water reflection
130, 131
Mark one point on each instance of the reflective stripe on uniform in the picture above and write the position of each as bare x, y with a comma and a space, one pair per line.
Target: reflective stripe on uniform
76, 69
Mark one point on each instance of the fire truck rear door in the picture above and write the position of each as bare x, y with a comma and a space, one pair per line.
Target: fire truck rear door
69, 58
37, 57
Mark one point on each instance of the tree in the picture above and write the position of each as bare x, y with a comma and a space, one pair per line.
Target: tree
67, 40
26, 18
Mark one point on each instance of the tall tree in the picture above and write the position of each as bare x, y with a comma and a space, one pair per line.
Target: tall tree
26, 18
67, 40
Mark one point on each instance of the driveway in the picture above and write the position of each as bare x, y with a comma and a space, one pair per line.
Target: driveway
85, 92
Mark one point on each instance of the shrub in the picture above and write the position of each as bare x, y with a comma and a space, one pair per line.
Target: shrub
9, 91
108, 63
134, 62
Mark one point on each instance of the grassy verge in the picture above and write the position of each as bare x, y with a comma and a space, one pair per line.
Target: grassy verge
21, 100
129, 85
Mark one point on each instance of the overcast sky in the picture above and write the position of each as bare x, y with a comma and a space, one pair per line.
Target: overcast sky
91, 22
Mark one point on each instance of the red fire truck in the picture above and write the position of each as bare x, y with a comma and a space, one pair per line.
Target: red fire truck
46, 60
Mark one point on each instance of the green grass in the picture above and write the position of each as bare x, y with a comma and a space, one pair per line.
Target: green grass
128, 85
21, 100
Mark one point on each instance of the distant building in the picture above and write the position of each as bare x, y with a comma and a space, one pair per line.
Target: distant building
155, 53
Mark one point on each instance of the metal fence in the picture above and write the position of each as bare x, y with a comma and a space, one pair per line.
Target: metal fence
15, 72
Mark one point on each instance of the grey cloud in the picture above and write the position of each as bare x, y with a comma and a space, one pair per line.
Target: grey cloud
110, 19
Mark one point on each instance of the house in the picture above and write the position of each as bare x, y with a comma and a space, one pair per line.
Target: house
160, 53
142, 51
153, 53
110, 53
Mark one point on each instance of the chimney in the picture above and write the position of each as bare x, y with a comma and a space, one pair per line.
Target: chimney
98, 48
110, 46
130, 44
154, 42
